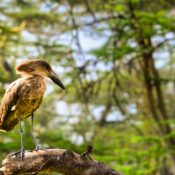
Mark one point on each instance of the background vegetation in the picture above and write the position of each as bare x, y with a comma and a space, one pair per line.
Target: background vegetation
116, 59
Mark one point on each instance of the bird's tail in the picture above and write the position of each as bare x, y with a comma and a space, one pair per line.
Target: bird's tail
1, 119
1, 122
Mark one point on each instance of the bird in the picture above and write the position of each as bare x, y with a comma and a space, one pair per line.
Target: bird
24, 96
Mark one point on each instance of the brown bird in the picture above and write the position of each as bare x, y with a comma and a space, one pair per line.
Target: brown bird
24, 95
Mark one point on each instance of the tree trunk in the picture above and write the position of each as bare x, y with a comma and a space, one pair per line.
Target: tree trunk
61, 161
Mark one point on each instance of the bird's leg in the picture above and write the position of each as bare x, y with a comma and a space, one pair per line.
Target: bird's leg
22, 144
33, 135
22, 151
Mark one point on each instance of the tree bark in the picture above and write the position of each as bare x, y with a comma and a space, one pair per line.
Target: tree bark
61, 161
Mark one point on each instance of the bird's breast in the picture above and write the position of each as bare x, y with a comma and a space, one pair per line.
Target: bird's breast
31, 96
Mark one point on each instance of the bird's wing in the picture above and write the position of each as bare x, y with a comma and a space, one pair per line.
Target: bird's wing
9, 101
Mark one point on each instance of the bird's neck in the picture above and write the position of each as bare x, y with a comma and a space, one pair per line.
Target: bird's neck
35, 78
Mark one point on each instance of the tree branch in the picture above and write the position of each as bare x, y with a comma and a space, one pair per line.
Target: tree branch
61, 161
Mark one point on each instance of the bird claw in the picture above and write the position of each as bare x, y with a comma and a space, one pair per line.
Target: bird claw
18, 154
39, 148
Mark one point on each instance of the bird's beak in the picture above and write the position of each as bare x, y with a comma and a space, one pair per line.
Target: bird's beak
56, 80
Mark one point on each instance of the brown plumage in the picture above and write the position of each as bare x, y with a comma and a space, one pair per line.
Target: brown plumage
25, 94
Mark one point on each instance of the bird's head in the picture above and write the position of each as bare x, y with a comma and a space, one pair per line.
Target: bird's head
38, 67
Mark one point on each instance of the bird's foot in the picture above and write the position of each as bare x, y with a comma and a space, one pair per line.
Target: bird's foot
86, 154
37, 148
19, 154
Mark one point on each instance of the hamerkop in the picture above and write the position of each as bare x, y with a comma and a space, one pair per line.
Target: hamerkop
24, 95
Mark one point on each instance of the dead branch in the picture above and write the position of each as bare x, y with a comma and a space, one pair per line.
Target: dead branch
61, 161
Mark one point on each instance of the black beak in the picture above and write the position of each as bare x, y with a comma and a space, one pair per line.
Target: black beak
56, 80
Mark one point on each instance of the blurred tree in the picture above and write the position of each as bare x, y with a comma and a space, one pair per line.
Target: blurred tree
117, 59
